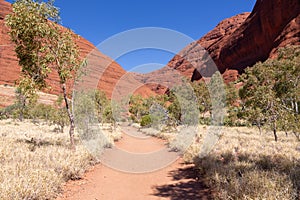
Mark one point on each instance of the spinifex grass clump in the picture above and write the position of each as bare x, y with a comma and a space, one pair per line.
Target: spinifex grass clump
35, 161
248, 165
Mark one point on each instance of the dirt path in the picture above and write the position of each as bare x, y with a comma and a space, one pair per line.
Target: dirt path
176, 181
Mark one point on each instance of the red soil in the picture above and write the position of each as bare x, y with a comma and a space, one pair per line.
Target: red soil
176, 181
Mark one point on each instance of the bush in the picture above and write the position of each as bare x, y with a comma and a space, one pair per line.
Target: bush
37, 171
247, 165
42, 111
146, 120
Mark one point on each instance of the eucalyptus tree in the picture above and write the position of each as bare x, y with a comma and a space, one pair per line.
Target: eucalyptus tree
288, 87
270, 92
42, 46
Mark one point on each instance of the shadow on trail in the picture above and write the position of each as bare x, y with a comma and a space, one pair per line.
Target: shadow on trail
190, 186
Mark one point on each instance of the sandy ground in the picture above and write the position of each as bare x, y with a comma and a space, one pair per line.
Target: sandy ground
175, 181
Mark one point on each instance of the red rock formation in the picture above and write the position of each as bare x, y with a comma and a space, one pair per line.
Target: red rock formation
272, 24
183, 66
237, 42
10, 70
104, 72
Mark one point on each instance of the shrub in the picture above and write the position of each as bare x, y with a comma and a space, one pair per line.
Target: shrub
146, 120
35, 162
248, 165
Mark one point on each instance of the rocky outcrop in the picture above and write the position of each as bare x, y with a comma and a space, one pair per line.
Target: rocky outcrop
10, 70
104, 72
184, 63
272, 24
236, 43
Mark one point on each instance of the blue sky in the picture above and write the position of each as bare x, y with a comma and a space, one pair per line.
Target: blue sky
97, 20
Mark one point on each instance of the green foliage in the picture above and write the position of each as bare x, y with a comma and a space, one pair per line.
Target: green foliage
146, 120
30, 30
51, 114
159, 116
211, 99
9, 112
174, 109
139, 106
41, 47
270, 92
42, 111
259, 97
203, 97
183, 108
93, 107
233, 117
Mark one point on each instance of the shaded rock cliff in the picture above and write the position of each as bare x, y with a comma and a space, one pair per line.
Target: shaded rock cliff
235, 43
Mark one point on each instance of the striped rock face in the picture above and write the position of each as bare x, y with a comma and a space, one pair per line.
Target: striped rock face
105, 73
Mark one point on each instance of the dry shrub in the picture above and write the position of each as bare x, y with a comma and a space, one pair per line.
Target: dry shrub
247, 165
35, 161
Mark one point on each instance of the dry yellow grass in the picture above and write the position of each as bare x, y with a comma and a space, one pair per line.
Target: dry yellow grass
247, 165
35, 161
243, 164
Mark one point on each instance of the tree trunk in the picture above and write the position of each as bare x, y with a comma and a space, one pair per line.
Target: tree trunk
62, 128
275, 132
258, 124
22, 107
297, 135
71, 118
259, 128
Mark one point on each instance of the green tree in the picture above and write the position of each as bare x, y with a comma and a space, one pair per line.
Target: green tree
43, 46
105, 108
270, 92
203, 97
26, 96
139, 106
174, 109
287, 87
183, 108
27, 30
233, 108
101, 103
59, 115
259, 96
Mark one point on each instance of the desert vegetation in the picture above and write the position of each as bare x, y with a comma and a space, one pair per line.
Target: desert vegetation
256, 157
248, 165
36, 160
35, 153
42, 47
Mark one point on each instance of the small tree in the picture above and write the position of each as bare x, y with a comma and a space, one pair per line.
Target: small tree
233, 108
174, 110
204, 101
270, 93
28, 30
258, 95
138, 107
25, 95
287, 88
65, 55
42, 46
183, 108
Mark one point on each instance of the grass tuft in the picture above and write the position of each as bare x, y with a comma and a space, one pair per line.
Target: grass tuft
35, 161
247, 165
